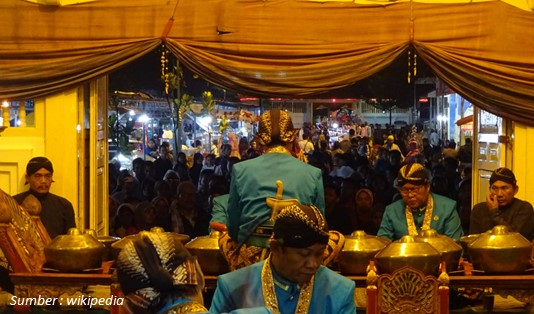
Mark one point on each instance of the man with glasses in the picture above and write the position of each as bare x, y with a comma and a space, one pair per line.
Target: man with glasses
502, 208
419, 209
57, 213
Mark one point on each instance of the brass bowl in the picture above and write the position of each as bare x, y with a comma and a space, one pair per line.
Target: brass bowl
74, 252
210, 258
359, 249
407, 252
116, 247
107, 241
449, 250
501, 252
465, 241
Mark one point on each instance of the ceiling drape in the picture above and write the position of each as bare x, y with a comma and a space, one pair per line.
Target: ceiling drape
38, 73
483, 50
484, 57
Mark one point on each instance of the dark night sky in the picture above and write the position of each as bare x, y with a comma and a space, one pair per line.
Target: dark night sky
144, 75
391, 82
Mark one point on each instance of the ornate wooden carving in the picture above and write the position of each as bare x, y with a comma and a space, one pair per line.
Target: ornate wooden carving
407, 290
32, 205
45, 237
20, 240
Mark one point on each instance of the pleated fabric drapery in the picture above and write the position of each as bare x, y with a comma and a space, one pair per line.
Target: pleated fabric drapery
40, 73
482, 50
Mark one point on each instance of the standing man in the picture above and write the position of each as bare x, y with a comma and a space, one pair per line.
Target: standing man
502, 208
221, 163
390, 145
465, 153
419, 209
306, 145
292, 279
57, 213
254, 181
164, 161
151, 149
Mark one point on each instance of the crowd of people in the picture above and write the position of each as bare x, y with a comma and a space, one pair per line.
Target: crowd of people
359, 176
173, 194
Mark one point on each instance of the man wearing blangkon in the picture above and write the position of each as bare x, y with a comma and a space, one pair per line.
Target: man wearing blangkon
275, 176
419, 209
292, 279
57, 213
502, 208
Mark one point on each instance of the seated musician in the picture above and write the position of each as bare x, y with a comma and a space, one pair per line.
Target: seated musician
503, 208
419, 209
57, 213
291, 279
158, 275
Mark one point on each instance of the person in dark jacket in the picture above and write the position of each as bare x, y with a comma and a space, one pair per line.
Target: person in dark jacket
503, 208
57, 213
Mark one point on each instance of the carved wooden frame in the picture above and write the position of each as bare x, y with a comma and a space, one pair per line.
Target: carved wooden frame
20, 239
407, 290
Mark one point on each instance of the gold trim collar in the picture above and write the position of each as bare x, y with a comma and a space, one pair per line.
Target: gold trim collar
278, 149
269, 293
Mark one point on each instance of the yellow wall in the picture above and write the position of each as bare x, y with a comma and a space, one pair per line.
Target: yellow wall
53, 136
523, 161
61, 143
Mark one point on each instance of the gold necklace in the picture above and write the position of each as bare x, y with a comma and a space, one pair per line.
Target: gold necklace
269, 294
277, 149
412, 229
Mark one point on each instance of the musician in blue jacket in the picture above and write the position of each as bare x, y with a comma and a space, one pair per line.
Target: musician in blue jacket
419, 209
292, 279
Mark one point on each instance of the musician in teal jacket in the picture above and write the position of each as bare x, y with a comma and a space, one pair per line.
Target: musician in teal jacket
258, 186
292, 279
253, 181
419, 209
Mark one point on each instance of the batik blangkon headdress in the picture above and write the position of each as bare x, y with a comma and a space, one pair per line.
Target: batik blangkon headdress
300, 226
276, 128
413, 173
155, 266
